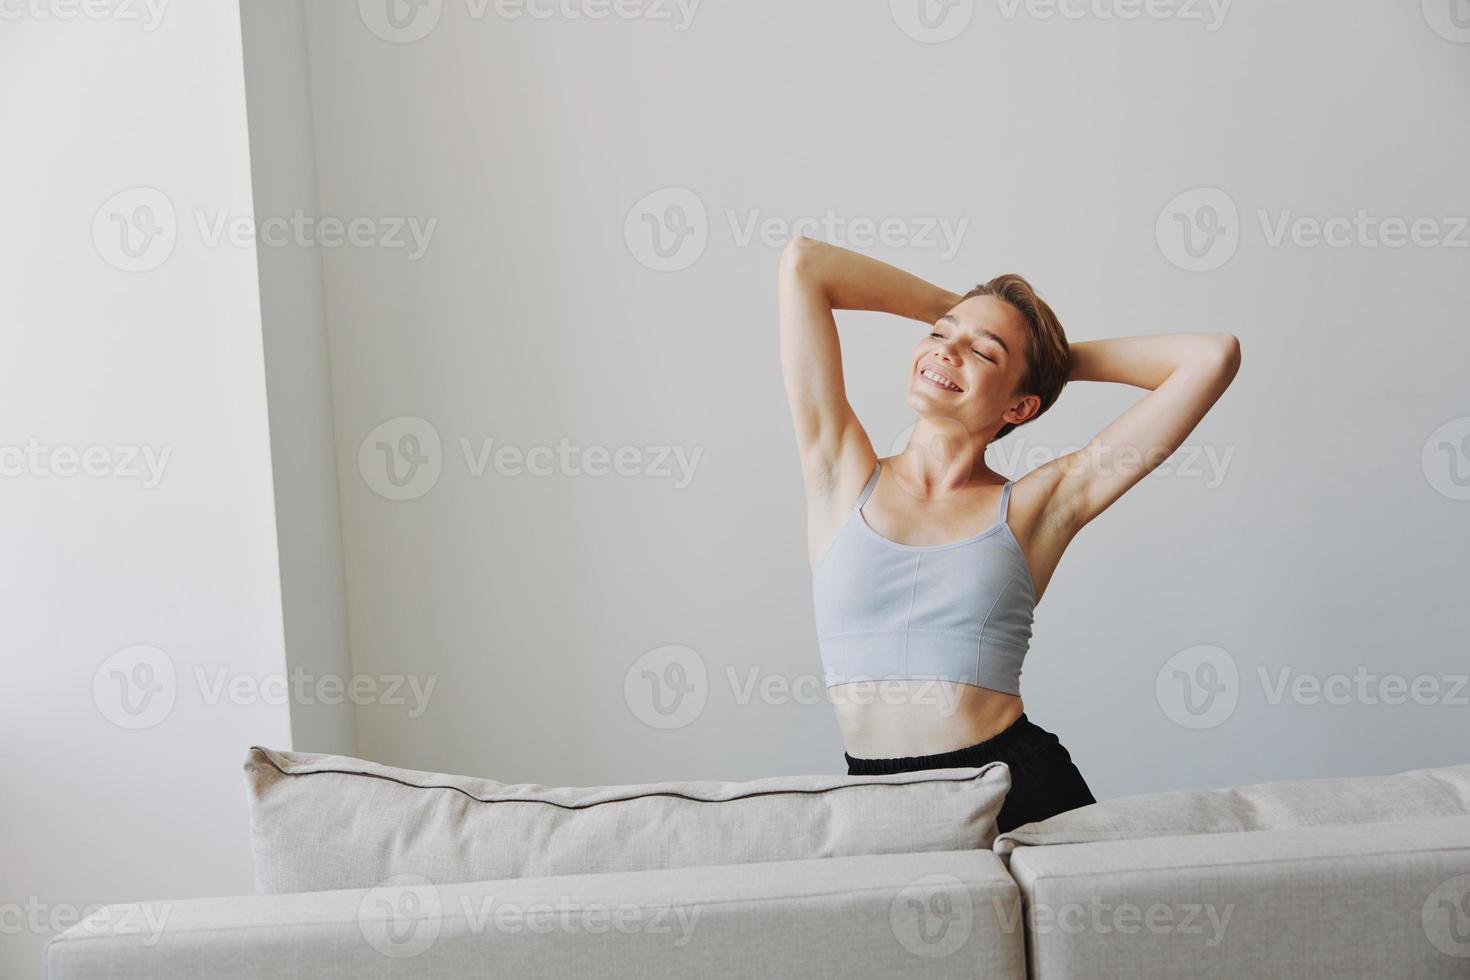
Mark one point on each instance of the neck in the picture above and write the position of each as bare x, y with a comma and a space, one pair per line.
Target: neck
942, 458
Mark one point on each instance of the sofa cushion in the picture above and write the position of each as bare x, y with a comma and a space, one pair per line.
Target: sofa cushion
326, 821
1366, 900
1439, 792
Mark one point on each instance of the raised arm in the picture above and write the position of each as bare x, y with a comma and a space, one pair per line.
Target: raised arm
815, 279
1186, 372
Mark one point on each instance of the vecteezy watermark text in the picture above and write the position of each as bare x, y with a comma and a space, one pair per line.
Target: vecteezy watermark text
1201, 229
304, 230
138, 686
668, 687
122, 462
1015, 454
937, 21
1098, 916
403, 916
1363, 230
403, 458
147, 13
1211, 13
1201, 686
406, 21
930, 231
41, 918
668, 230
137, 229
1364, 686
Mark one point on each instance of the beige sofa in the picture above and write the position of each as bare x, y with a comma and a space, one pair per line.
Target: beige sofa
1364, 877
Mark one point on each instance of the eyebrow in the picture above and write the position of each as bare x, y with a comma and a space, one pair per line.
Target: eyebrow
984, 334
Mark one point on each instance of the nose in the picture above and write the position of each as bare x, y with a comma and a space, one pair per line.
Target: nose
944, 351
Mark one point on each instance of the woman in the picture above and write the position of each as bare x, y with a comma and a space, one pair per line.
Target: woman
927, 566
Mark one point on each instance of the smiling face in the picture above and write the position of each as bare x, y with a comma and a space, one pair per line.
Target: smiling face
971, 365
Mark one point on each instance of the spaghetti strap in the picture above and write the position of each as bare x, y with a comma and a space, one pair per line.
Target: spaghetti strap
1005, 500
868, 487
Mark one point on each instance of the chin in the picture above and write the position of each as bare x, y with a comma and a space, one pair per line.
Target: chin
921, 392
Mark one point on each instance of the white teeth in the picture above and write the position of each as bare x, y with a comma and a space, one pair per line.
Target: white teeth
934, 377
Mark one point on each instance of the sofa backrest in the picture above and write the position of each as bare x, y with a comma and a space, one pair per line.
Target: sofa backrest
325, 821
1437, 792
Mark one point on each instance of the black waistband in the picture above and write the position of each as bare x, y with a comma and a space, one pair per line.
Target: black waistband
970, 755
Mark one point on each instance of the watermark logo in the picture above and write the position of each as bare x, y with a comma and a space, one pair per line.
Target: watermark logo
1211, 13
39, 918
943, 440
1362, 230
1201, 687
679, 13
401, 916
1199, 230
1450, 19
406, 21
568, 916
932, 916
302, 230
1446, 917
568, 460
667, 687
402, 458
147, 13
400, 21
941, 233
1099, 917
1446, 459
667, 230
136, 687
1198, 687
123, 462
135, 230
1364, 687
827, 688
932, 21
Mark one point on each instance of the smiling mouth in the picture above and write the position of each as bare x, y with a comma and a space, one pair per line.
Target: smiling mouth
938, 380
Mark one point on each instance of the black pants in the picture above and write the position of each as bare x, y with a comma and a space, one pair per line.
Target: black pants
1044, 782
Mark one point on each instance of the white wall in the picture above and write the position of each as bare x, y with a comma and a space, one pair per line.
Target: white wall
297, 362
1325, 546
109, 361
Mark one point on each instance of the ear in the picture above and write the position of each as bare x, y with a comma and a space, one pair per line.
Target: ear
1024, 409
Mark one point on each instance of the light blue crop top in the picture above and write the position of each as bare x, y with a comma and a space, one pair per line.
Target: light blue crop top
958, 612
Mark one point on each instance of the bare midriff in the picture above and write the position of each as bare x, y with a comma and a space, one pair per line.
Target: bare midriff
885, 719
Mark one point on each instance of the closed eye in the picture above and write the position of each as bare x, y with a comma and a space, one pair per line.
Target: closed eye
939, 336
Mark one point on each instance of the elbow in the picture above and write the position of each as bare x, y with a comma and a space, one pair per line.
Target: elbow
1228, 353
800, 254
